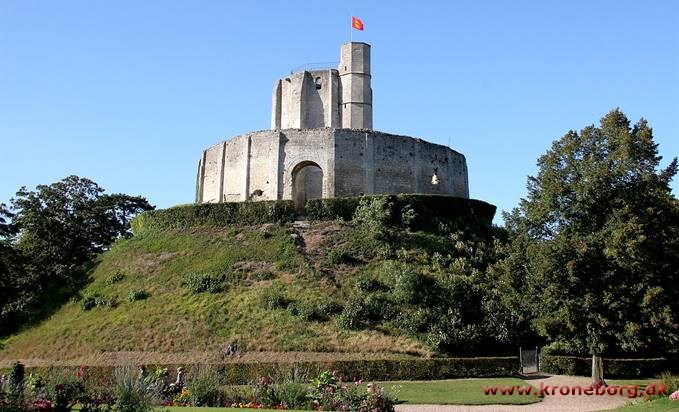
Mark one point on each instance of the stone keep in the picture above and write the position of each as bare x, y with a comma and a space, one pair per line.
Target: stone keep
339, 98
321, 144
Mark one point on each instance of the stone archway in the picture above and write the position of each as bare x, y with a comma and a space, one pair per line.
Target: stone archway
307, 183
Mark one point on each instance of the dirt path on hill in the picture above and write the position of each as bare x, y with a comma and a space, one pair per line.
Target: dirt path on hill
556, 402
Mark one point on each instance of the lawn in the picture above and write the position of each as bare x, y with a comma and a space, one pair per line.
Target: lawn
443, 392
641, 405
643, 382
456, 392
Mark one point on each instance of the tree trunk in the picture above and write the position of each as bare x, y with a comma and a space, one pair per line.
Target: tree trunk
598, 370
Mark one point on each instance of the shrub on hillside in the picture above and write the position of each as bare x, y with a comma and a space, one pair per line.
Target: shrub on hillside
415, 211
408, 215
203, 282
338, 256
373, 215
94, 300
305, 311
367, 283
274, 297
405, 283
353, 314
114, 278
139, 294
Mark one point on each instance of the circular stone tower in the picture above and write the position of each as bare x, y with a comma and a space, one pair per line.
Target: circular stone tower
321, 144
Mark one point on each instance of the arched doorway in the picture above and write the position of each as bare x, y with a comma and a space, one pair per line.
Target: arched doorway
307, 183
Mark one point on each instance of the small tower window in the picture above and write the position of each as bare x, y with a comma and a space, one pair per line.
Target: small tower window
319, 83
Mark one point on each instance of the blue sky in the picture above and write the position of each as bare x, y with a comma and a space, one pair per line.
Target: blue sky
128, 93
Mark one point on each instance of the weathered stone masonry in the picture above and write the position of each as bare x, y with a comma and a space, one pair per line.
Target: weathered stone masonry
321, 145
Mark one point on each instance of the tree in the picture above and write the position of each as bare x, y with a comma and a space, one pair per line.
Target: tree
11, 286
594, 252
54, 231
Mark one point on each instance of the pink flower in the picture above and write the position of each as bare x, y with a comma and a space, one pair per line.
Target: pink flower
675, 396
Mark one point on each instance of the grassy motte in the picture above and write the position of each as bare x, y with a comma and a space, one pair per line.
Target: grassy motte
397, 280
266, 287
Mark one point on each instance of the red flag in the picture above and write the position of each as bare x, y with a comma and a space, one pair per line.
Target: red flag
356, 23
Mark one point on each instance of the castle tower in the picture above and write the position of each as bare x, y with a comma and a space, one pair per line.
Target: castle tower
356, 104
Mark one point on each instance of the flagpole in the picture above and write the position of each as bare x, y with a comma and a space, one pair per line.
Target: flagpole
351, 31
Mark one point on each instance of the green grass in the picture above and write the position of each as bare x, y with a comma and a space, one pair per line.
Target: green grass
456, 392
657, 405
173, 319
643, 382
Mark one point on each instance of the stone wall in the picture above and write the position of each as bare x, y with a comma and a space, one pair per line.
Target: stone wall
336, 98
262, 165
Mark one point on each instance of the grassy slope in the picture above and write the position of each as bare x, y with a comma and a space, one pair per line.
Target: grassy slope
173, 319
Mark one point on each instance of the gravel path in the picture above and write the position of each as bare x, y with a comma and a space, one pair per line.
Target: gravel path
556, 402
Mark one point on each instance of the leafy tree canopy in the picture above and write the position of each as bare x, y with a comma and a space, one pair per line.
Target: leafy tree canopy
594, 254
47, 235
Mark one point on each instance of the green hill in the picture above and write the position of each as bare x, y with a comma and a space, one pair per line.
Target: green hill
328, 286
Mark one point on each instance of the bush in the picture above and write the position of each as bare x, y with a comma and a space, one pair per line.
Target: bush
373, 214
114, 278
137, 295
329, 308
613, 368
15, 381
305, 311
292, 395
274, 297
203, 387
89, 302
352, 315
331, 392
406, 284
339, 208
413, 321
377, 400
416, 211
132, 394
408, 215
215, 215
338, 257
366, 283
203, 282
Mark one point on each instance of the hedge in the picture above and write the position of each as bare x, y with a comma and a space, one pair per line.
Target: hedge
215, 215
613, 368
241, 373
429, 209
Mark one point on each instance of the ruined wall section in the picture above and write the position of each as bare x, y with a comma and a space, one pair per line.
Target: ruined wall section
261, 165
368, 162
